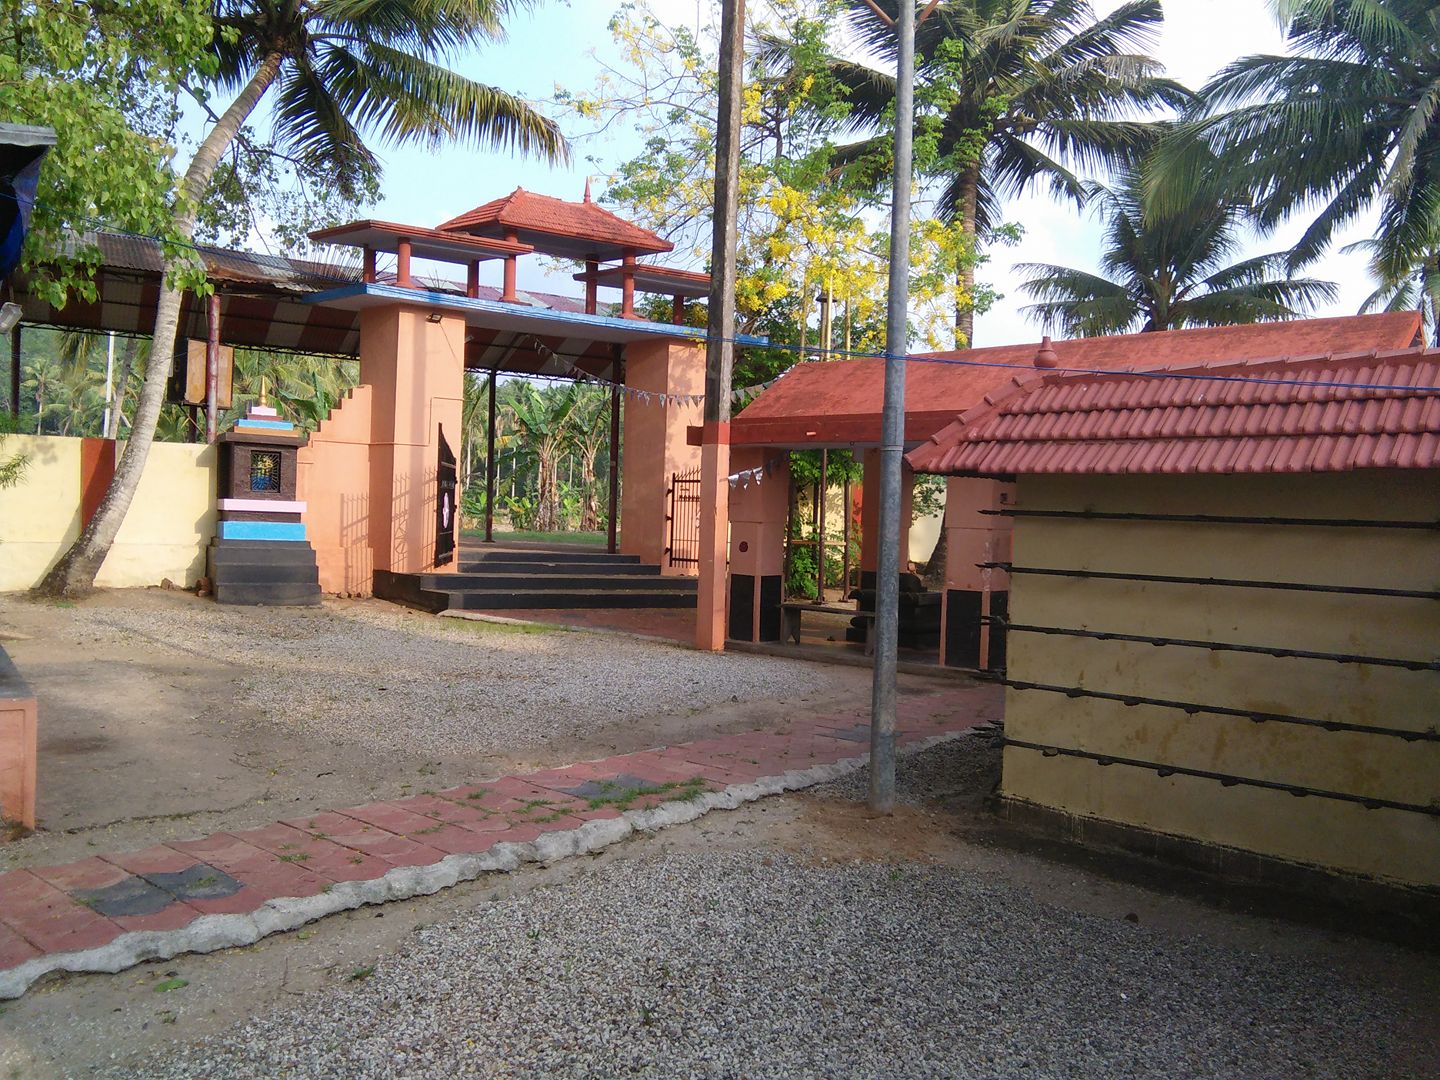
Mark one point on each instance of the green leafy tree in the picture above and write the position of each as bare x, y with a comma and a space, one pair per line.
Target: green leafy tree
1009, 94
803, 230
1350, 120
543, 420
337, 71
1167, 269
104, 76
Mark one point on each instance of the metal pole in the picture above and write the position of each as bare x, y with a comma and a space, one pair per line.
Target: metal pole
109, 384
887, 582
15, 374
720, 333
612, 527
820, 528
490, 465
212, 367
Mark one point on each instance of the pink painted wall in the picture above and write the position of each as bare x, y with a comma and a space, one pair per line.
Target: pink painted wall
17, 748
417, 371
870, 511
333, 480
369, 476
975, 537
654, 443
757, 520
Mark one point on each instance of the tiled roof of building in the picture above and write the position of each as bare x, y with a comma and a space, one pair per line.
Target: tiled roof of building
535, 217
1378, 409
840, 401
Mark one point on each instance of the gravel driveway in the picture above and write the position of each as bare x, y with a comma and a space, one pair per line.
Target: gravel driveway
393, 680
763, 962
733, 964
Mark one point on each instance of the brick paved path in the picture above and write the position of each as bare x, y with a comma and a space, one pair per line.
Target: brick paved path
108, 912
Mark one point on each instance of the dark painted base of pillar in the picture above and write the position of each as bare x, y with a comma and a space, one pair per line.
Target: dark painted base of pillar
742, 608
962, 629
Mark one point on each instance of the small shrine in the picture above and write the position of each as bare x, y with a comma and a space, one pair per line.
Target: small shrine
260, 554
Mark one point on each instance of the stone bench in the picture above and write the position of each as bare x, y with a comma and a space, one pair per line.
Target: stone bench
790, 620
17, 748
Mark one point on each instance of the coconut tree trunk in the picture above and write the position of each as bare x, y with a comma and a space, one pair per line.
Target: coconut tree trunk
969, 205
74, 574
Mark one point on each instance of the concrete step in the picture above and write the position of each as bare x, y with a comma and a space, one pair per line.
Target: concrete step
488, 600
511, 566
471, 554
288, 594
529, 582
297, 573
260, 553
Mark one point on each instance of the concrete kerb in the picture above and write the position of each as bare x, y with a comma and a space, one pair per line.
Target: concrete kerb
210, 933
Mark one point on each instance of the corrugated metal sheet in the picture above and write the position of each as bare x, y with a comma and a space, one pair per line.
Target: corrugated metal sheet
1321, 414
263, 305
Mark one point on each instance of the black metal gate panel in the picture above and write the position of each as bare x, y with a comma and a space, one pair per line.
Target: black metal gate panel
683, 519
445, 505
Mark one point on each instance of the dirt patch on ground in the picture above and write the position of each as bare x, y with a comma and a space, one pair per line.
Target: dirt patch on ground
164, 716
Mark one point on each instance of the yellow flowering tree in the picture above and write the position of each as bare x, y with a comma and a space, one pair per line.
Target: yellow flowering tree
807, 231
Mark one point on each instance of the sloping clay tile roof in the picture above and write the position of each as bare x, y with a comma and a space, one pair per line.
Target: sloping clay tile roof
1319, 414
533, 216
840, 401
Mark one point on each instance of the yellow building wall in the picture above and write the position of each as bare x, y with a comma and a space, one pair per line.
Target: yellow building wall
165, 533
1395, 845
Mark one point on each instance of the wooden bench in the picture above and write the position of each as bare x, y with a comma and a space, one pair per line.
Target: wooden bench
791, 610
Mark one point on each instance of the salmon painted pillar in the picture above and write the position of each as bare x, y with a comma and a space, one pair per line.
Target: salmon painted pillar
870, 516
714, 536
971, 590
655, 443
759, 503
412, 358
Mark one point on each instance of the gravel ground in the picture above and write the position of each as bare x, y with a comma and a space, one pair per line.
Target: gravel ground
392, 680
763, 965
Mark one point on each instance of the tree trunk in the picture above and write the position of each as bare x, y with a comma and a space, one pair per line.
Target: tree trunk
965, 311
933, 572
74, 574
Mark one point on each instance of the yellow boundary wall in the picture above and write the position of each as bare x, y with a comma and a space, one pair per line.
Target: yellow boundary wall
165, 534
1390, 844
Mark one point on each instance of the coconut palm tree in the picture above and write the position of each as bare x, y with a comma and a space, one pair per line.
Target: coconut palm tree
1418, 290
1349, 120
340, 71
1165, 271
1011, 93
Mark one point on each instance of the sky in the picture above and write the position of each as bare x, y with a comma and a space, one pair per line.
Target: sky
566, 43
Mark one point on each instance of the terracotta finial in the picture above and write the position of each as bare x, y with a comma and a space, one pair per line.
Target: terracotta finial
587, 189
1046, 357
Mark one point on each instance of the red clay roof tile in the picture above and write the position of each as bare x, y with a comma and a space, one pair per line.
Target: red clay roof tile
841, 400
535, 217
1330, 413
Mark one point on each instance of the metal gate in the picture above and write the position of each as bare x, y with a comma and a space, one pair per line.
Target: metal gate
683, 519
445, 504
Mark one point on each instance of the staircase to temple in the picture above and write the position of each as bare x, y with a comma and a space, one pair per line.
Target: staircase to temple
501, 578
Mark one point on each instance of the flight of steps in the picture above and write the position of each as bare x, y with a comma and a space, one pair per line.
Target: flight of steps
493, 580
